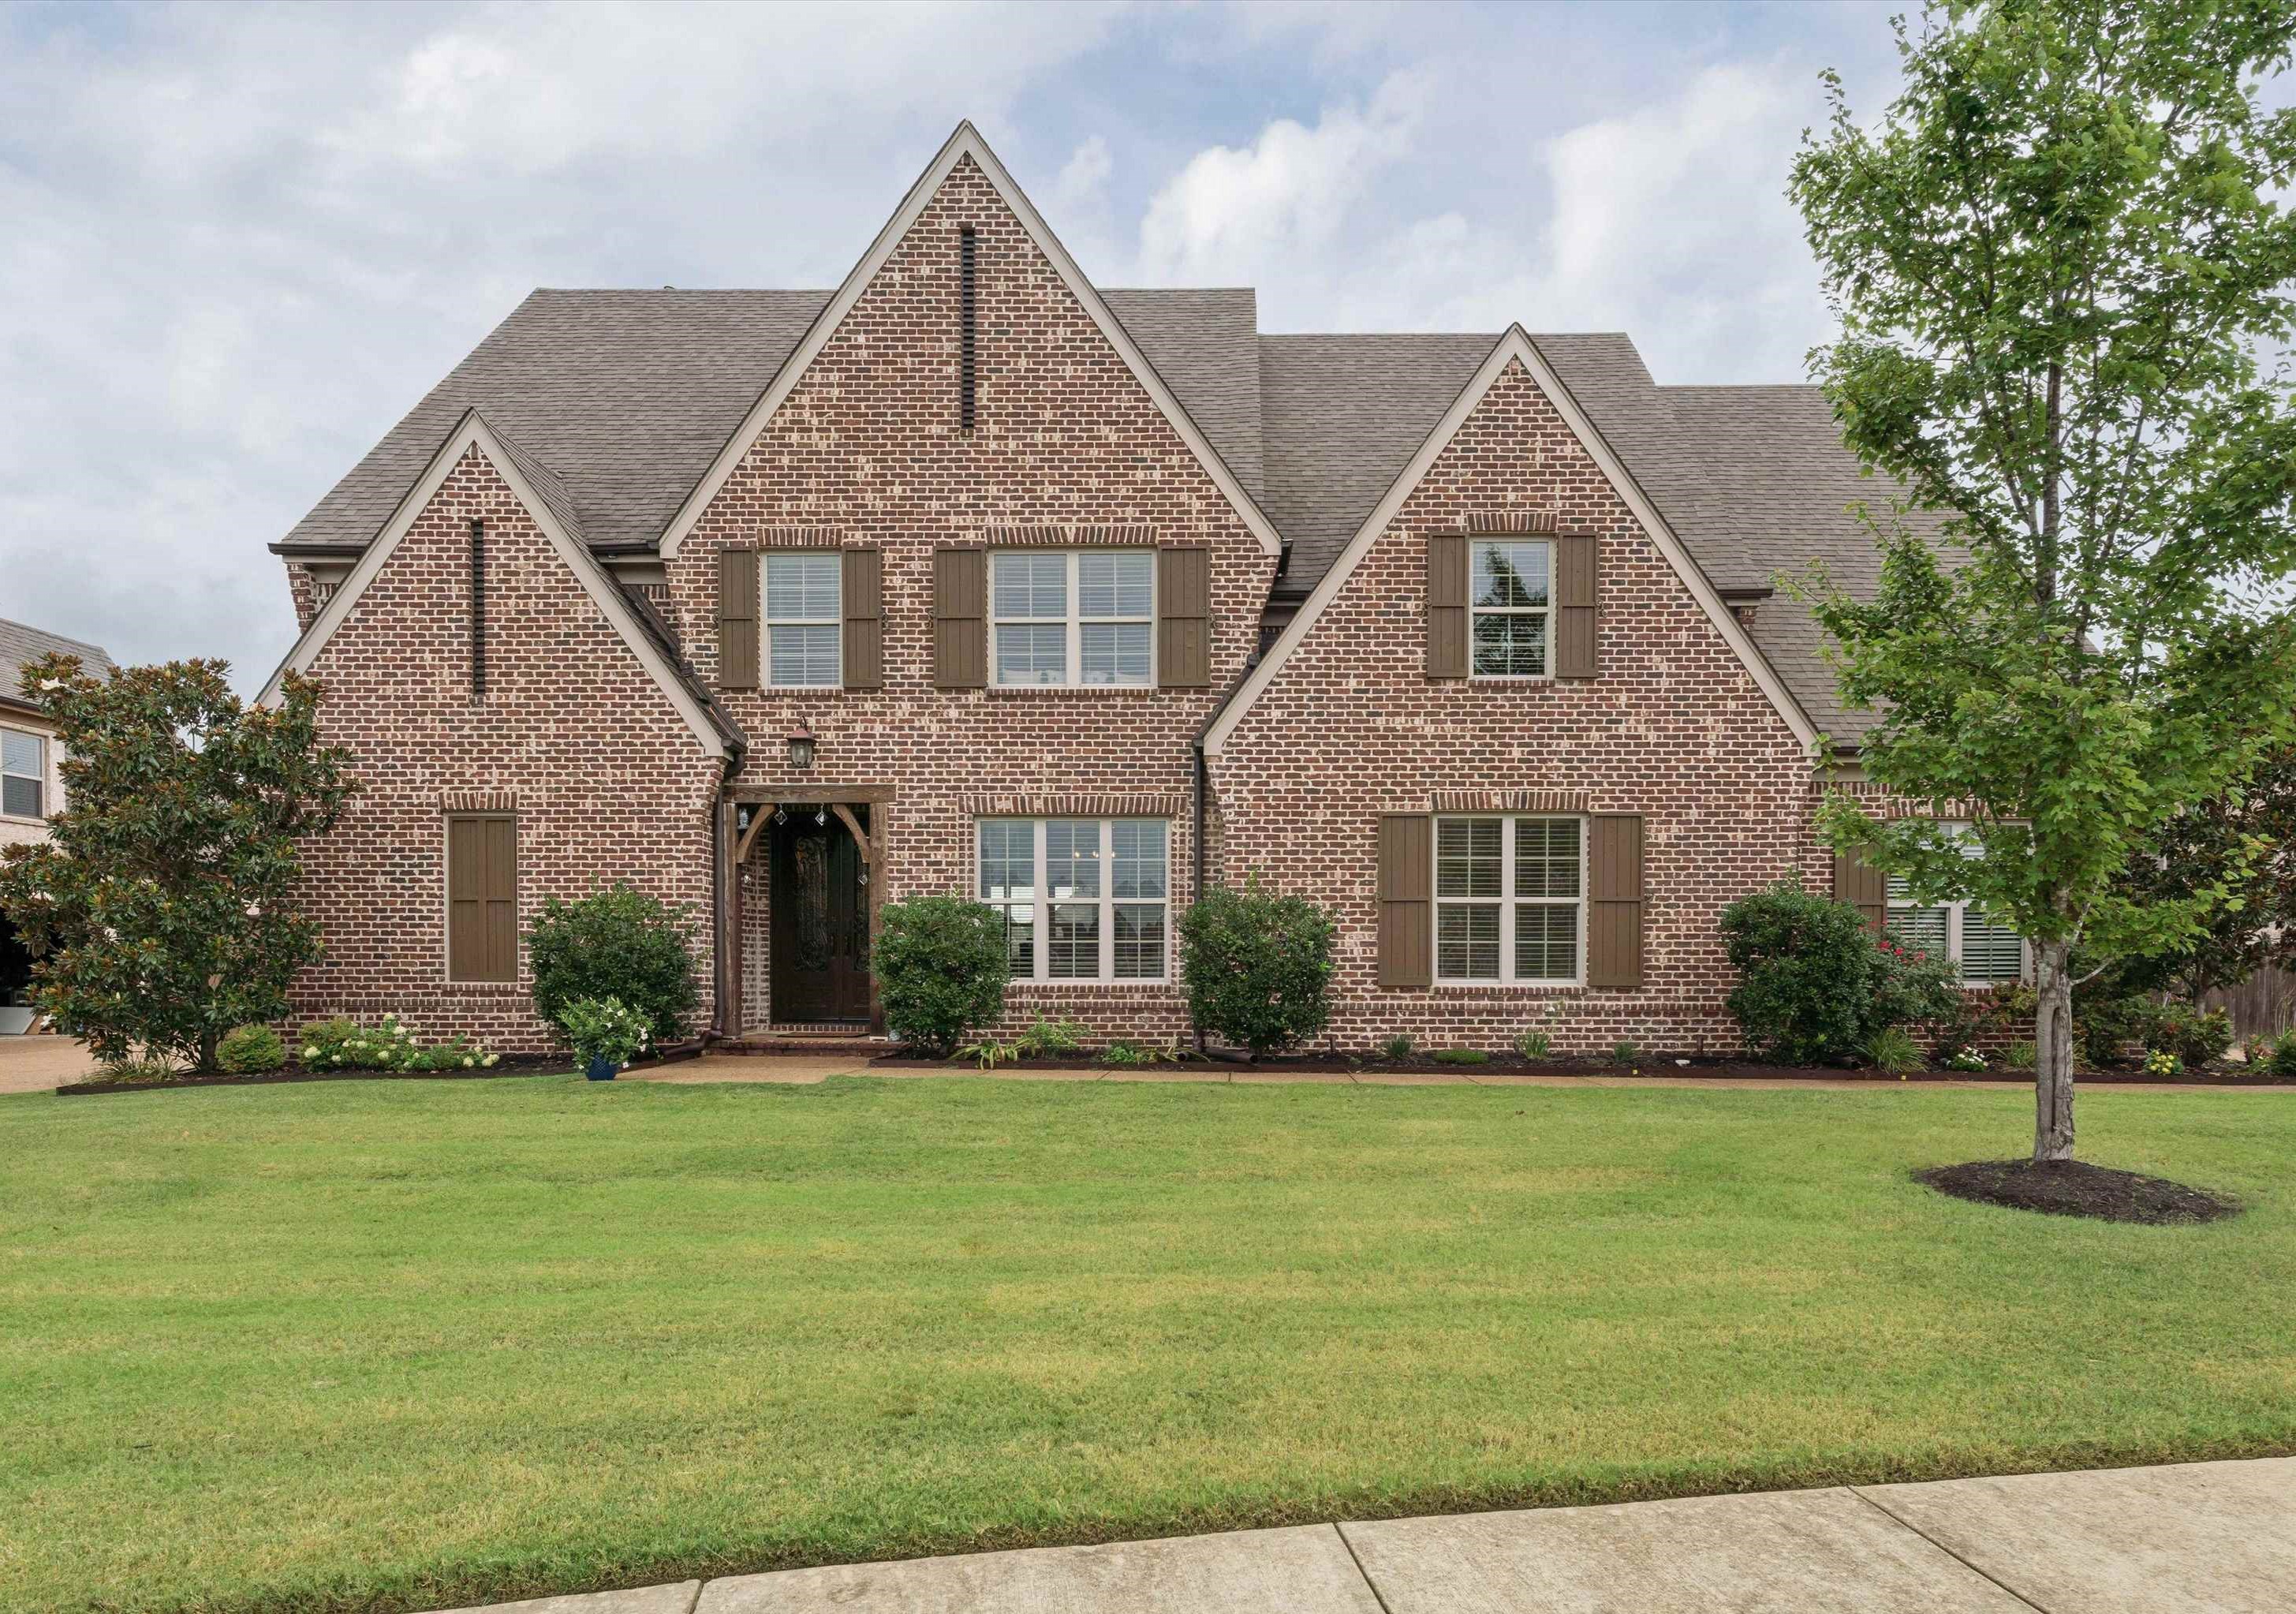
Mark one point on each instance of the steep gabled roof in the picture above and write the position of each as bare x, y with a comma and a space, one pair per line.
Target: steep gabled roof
638, 627
20, 642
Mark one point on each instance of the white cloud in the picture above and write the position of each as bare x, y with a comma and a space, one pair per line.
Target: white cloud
1230, 216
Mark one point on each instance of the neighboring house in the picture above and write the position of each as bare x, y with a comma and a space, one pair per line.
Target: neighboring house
970, 576
31, 787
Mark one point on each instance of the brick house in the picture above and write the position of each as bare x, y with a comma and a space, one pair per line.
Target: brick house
971, 576
31, 786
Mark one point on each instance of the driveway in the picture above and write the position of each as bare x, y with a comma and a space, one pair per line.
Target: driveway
34, 1064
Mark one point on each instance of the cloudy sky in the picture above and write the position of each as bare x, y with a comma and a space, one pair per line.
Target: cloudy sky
240, 242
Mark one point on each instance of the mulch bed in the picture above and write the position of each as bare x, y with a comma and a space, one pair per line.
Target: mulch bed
509, 1065
1510, 1064
2075, 1188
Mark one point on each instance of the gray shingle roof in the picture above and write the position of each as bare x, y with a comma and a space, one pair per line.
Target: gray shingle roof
20, 643
615, 402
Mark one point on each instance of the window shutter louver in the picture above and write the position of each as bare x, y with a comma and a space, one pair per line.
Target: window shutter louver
1447, 605
1864, 886
1407, 918
1574, 562
737, 618
863, 594
1183, 618
1614, 899
961, 618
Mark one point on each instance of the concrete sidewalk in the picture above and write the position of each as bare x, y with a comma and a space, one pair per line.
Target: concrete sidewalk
2195, 1538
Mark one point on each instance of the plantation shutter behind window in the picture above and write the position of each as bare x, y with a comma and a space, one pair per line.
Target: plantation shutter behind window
1447, 605
1184, 617
737, 618
961, 618
865, 618
1574, 605
1406, 921
482, 897
1614, 899
1864, 886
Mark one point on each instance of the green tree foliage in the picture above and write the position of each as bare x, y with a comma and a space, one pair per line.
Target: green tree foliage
162, 912
2055, 263
940, 966
621, 943
2243, 838
1258, 967
1815, 984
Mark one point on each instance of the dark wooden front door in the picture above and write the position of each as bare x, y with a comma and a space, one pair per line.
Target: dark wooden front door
820, 923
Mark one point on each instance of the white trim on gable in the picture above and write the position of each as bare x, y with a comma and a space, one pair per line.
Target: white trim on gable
966, 142
1514, 346
473, 432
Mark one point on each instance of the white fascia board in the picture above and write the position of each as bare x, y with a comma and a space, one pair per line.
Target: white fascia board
473, 432
966, 142
1515, 345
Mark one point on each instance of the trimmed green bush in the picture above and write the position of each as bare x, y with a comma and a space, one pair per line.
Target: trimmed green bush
1815, 985
2197, 1039
1461, 1056
621, 943
344, 1044
251, 1050
2284, 1055
940, 966
1258, 967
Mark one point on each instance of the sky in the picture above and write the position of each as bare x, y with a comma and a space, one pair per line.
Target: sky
237, 243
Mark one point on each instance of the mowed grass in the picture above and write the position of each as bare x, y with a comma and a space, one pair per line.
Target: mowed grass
393, 1346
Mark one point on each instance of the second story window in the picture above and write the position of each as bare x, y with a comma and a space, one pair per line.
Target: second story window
1073, 617
23, 775
803, 650
1509, 600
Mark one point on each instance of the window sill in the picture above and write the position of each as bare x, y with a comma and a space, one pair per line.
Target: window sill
1010, 691
482, 988
40, 819
1505, 988
1097, 988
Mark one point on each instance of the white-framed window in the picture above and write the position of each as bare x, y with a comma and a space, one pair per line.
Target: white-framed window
23, 775
804, 622
1511, 595
1511, 899
1985, 952
1083, 899
1072, 617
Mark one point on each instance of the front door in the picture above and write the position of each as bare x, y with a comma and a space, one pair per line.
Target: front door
820, 921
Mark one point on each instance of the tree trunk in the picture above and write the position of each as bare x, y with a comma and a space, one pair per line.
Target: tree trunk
2052, 1050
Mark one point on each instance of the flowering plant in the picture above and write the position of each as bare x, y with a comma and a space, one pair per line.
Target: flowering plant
604, 1029
1964, 1057
2164, 1064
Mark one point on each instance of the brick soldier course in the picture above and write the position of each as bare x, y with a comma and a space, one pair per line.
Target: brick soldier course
538, 601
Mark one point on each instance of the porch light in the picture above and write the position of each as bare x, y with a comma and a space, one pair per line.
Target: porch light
800, 746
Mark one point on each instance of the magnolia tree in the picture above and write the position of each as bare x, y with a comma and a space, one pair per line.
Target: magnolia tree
2062, 275
160, 912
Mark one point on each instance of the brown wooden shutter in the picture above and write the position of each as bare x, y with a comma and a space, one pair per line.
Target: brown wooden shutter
737, 618
1406, 907
1864, 886
865, 618
1614, 899
482, 897
1574, 605
1184, 617
961, 618
1447, 605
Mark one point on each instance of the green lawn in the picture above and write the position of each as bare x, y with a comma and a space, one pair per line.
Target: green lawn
387, 1346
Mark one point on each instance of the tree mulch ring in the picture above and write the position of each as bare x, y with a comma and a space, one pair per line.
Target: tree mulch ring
2075, 1188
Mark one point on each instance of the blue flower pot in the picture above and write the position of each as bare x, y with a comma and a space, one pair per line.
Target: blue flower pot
601, 1069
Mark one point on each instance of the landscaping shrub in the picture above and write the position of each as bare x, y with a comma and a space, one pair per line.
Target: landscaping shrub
1461, 1056
345, 1044
1815, 984
2197, 1039
251, 1050
132, 1070
604, 1029
1893, 1049
1125, 1052
1533, 1045
2024, 1054
2108, 1025
1398, 1046
1978, 1015
1258, 967
1626, 1051
1051, 1038
940, 965
456, 1053
2284, 1055
621, 943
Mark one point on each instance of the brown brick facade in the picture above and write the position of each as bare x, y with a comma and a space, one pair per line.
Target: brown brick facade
1673, 728
573, 736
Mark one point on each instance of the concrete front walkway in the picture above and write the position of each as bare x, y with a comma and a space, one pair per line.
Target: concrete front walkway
35, 1065
2196, 1538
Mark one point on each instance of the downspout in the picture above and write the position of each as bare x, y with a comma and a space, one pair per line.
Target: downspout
1203, 780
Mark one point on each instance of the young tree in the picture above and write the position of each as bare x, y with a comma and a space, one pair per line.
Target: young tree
161, 911
2056, 264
